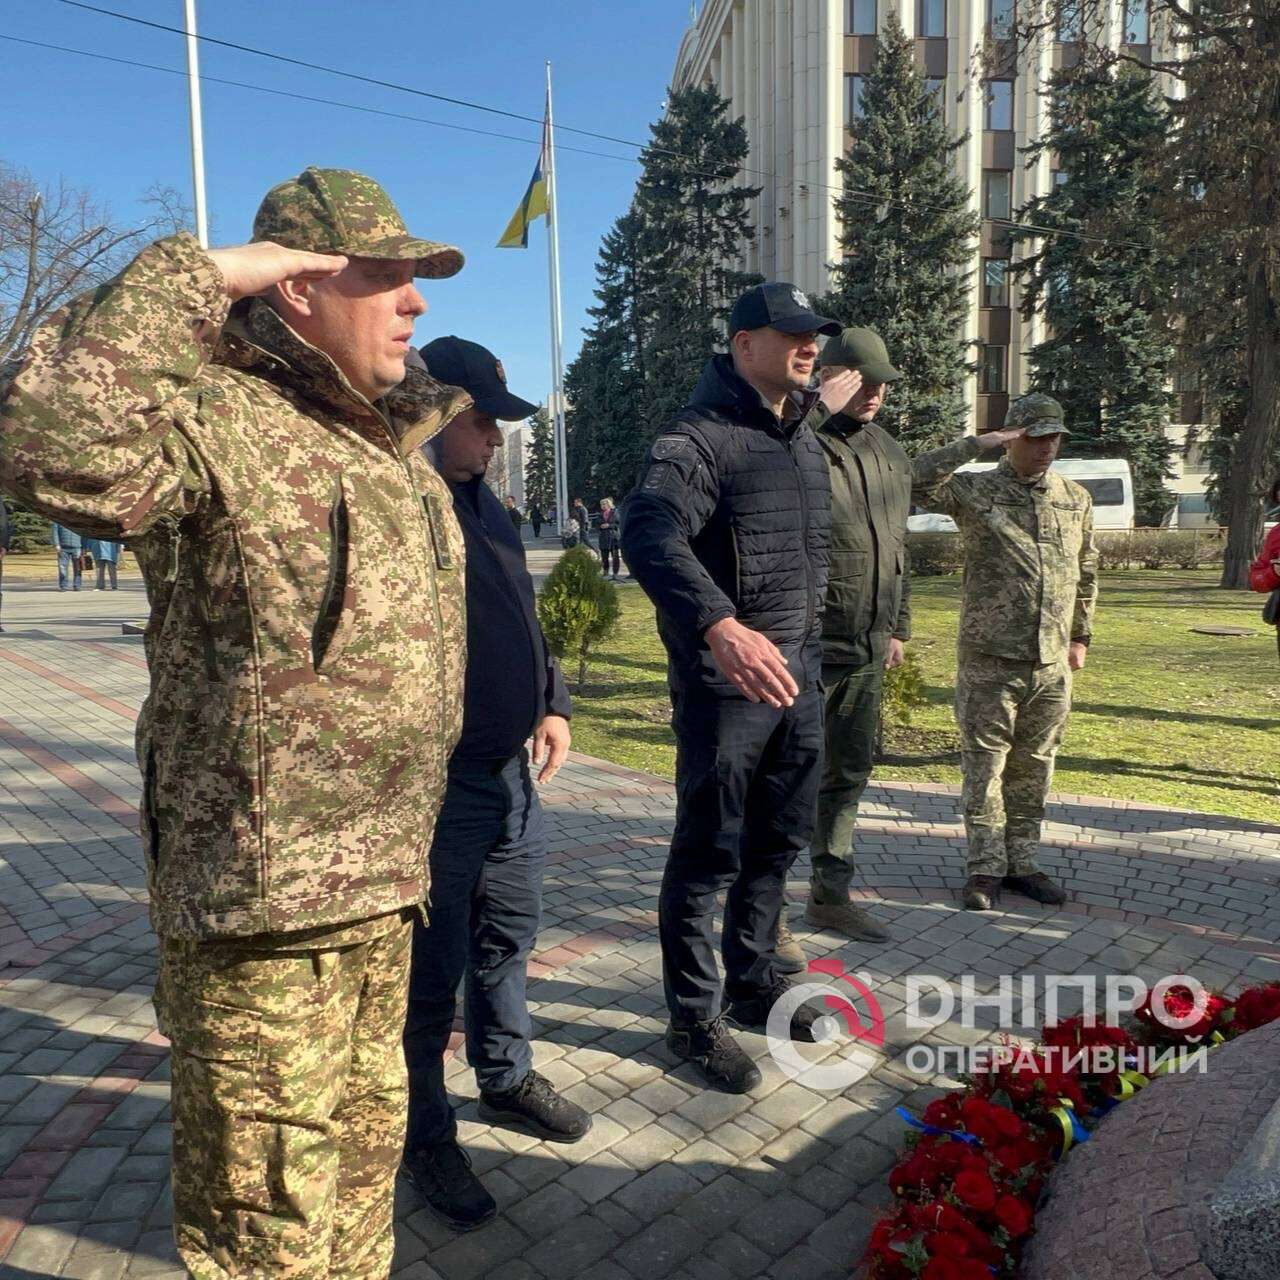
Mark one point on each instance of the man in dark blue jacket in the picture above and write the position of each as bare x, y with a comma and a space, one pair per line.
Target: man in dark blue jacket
727, 532
490, 846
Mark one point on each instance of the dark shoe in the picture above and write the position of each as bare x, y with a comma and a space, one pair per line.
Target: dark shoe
753, 1012
788, 956
710, 1046
442, 1176
535, 1105
1037, 886
846, 919
981, 893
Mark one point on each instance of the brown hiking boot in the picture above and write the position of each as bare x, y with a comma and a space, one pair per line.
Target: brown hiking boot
788, 955
1037, 886
846, 919
981, 893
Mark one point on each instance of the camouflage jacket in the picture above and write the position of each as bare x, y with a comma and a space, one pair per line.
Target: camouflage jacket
1030, 567
304, 568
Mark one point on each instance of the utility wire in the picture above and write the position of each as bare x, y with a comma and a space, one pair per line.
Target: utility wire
867, 198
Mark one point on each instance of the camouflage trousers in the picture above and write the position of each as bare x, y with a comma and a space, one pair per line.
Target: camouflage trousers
289, 1102
1011, 717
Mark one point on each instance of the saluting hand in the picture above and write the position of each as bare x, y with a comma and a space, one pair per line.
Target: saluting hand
753, 662
837, 390
253, 268
996, 439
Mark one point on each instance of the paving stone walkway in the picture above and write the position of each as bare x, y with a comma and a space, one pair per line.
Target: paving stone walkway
672, 1180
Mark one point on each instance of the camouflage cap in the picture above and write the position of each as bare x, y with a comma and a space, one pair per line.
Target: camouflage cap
341, 211
1040, 414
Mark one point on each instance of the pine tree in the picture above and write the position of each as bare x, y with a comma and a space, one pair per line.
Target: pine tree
1106, 292
540, 469
906, 232
696, 219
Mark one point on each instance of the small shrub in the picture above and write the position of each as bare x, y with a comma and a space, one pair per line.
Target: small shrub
931, 554
903, 694
577, 607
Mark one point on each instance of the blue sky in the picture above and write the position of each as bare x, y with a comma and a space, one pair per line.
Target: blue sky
118, 129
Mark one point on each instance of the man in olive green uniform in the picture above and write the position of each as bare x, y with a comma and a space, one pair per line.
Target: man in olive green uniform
868, 606
242, 419
1030, 585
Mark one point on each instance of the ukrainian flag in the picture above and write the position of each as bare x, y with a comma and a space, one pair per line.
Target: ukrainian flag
534, 204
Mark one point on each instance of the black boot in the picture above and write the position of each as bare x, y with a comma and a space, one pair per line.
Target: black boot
442, 1175
1038, 886
709, 1045
535, 1105
753, 1012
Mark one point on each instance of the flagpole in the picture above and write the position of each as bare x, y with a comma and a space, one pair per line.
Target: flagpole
557, 340
197, 128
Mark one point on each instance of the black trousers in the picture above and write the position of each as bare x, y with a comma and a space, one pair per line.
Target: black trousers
747, 779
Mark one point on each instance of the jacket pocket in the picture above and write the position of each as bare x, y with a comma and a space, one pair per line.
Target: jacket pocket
336, 619
434, 507
848, 564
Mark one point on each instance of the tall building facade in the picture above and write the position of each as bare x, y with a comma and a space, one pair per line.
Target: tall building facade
794, 70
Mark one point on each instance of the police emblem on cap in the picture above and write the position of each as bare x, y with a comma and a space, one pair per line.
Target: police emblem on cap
500, 371
799, 299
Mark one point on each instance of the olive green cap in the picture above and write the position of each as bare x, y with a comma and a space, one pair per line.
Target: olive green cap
863, 350
341, 211
1040, 414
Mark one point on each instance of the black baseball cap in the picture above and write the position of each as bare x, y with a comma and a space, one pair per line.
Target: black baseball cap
475, 369
778, 305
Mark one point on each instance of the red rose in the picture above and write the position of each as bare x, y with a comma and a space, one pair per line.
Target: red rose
1013, 1215
976, 1190
1256, 1007
946, 1244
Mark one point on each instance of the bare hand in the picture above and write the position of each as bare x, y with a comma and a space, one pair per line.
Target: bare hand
837, 390
753, 662
997, 439
253, 268
551, 743
1275, 565
894, 654
1076, 655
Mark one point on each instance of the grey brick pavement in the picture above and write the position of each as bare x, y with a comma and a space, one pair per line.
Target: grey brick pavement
672, 1181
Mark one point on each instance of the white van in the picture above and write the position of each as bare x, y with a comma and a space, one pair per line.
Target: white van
1108, 480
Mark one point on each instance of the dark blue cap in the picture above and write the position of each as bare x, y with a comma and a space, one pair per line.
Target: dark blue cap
778, 305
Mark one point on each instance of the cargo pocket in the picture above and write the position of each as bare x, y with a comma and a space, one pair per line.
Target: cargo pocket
336, 619
437, 528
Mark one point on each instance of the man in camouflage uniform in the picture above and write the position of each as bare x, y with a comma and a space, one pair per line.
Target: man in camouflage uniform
242, 419
1030, 585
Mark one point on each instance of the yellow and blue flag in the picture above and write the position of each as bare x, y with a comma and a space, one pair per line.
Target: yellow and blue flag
534, 204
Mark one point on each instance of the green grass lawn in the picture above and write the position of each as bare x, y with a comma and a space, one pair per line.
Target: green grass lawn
1161, 714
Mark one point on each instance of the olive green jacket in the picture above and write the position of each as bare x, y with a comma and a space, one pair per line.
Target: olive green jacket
872, 481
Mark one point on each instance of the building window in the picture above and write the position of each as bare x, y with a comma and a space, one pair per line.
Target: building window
1059, 177
853, 89
1137, 22
931, 17
991, 369
860, 18
1070, 21
1000, 19
936, 85
998, 105
997, 194
995, 282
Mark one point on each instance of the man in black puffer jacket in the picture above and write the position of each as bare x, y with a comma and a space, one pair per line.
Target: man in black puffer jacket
727, 532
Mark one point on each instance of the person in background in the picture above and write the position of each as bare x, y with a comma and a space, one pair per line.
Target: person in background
490, 844
1026, 619
70, 550
517, 516
1264, 573
579, 512
610, 528
106, 555
535, 519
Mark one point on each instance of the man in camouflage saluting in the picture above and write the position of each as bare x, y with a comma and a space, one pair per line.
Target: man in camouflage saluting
1030, 585
242, 419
